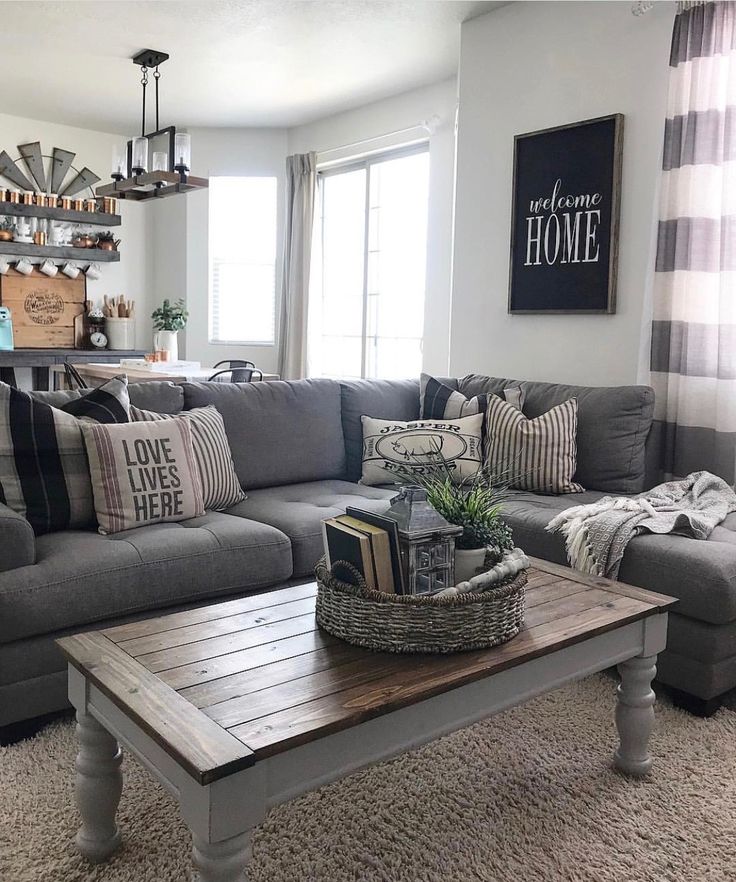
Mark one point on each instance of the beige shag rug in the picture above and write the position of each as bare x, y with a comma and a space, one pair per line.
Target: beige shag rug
528, 796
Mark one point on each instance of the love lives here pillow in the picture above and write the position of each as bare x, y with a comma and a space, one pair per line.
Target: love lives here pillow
392, 448
143, 473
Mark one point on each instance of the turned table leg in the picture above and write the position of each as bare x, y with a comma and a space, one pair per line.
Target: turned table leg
99, 783
221, 861
635, 714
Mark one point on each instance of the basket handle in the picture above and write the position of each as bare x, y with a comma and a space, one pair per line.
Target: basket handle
354, 572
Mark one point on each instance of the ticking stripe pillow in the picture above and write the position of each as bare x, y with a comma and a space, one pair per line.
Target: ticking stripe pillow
44, 473
538, 455
220, 486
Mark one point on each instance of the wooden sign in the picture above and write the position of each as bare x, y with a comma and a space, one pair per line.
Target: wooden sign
44, 310
565, 217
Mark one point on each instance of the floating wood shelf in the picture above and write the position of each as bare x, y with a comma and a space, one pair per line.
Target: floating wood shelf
152, 185
59, 252
16, 209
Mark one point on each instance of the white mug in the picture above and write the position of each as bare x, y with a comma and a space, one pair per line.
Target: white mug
49, 268
93, 271
4, 266
71, 270
24, 266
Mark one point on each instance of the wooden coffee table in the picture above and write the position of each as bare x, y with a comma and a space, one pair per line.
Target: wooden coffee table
241, 705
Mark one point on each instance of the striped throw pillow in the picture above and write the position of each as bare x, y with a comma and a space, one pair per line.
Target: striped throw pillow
437, 401
220, 486
44, 473
538, 455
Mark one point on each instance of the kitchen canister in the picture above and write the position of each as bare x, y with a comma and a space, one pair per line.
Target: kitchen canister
120, 333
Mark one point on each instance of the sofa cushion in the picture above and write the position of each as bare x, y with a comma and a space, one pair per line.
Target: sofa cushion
382, 399
613, 425
158, 395
279, 432
299, 509
82, 577
701, 574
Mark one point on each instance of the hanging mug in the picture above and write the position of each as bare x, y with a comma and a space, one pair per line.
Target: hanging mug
24, 266
93, 272
71, 270
4, 266
49, 268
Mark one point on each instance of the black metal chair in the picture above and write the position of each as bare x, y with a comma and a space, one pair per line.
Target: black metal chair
237, 371
73, 378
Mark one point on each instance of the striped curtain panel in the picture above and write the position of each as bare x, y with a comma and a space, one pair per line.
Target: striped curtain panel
693, 354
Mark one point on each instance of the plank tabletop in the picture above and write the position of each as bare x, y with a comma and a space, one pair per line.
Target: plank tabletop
225, 685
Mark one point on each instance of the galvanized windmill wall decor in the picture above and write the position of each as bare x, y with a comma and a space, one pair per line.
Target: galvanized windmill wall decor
33, 175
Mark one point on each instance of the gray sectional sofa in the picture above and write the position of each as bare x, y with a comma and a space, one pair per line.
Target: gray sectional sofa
297, 451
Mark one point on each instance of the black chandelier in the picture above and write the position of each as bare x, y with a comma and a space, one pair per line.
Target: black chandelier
155, 164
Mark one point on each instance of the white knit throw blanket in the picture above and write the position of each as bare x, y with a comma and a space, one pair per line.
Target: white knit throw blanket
596, 535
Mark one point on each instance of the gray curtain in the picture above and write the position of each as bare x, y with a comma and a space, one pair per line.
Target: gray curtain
693, 351
301, 184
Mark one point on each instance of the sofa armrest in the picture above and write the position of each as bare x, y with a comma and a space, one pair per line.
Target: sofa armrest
17, 542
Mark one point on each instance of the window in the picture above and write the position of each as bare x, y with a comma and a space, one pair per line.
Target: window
368, 313
242, 260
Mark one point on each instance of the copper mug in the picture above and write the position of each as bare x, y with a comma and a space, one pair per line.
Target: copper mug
41, 200
79, 204
90, 205
28, 197
66, 203
39, 237
14, 196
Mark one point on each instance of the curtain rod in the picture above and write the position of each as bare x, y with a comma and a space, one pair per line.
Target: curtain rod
429, 125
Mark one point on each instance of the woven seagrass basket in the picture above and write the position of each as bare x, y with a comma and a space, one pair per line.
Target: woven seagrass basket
417, 623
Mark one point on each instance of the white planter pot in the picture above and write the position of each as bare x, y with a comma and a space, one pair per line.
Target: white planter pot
468, 563
169, 341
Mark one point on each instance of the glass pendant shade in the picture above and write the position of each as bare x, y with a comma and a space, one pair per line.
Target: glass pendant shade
182, 151
140, 155
160, 161
119, 161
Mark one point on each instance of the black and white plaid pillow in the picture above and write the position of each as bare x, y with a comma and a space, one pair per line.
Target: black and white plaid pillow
438, 401
44, 471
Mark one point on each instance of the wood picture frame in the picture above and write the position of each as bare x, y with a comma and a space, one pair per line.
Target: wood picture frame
565, 216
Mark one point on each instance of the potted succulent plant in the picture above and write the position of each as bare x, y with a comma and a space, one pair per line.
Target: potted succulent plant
473, 504
168, 320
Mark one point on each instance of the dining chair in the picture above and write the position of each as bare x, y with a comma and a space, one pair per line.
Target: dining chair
237, 371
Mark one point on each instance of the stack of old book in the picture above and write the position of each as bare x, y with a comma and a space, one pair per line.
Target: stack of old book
369, 542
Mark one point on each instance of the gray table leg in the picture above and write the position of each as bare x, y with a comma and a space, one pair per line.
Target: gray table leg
99, 784
635, 714
224, 861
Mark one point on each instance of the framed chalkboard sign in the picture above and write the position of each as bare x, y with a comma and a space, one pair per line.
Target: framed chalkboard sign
565, 217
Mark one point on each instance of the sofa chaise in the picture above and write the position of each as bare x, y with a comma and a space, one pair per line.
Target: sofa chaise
297, 451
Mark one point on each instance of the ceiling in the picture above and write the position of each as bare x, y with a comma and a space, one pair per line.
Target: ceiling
233, 62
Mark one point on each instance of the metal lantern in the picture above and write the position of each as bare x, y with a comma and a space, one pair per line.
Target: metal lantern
427, 542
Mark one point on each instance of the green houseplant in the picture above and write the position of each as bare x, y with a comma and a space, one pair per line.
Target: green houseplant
168, 320
474, 504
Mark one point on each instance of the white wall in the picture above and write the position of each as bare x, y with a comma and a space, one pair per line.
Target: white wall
381, 119
524, 67
94, 149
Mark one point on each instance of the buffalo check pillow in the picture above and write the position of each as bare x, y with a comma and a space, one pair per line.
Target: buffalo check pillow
538, 455
44, 473
392, 449
143, 473
220, 486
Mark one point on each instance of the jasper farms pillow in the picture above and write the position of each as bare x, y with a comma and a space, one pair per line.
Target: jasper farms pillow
391, 448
